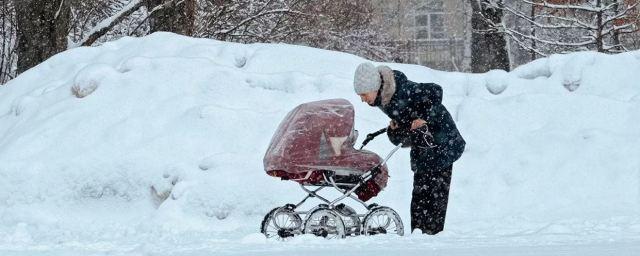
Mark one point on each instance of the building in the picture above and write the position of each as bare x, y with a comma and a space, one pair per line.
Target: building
433, 33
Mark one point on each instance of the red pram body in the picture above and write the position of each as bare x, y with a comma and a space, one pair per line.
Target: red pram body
319, 136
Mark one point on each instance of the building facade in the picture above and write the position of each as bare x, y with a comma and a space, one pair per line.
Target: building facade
433, 33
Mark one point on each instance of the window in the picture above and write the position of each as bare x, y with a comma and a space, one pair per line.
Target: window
422, 34
422, 20
432, 6
429, 22
435, 6
436, 27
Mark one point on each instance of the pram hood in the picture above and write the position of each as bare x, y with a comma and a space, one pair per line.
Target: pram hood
319, 135
315, 135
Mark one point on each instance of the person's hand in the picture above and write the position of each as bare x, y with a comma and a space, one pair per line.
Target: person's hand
393, 125
417, 123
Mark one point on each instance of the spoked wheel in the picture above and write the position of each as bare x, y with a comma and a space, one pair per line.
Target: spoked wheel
325, 223
350, 218
281, 223
382, 220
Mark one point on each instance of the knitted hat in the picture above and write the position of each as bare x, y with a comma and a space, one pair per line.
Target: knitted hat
366, 78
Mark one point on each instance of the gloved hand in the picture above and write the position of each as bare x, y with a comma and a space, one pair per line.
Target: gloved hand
399, 135
421, 137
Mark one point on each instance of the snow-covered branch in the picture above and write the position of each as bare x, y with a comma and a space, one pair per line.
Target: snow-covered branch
574, 22
569, 20
570, 25
570, 6
620, 28
105, 25
523, 45
55, 17
544, 41
621, 14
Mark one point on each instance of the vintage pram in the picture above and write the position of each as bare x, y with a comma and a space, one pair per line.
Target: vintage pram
314, 146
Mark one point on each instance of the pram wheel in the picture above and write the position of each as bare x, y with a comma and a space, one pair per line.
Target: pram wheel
281, 223
382, 220
351, 220
325, 223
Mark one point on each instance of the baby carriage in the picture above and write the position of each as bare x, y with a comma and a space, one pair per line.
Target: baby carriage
314, 146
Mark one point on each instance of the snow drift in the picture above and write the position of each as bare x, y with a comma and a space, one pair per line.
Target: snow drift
162, 137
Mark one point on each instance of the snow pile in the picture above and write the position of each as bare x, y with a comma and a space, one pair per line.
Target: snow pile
162, 137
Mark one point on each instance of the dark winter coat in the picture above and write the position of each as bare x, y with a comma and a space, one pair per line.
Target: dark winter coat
434, 146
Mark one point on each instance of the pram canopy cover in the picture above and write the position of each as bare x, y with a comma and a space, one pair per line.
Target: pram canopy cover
318, 136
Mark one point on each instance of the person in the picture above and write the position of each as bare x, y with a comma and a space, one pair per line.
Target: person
420, 121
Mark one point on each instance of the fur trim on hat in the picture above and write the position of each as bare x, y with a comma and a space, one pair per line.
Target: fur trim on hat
388, 84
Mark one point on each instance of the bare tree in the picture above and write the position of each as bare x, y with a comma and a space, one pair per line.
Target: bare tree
488, 43
347, 26
574, 25
97, 19
251, 21
176, 16
224, 20
42, 28
8, 55
335, 25
94, 20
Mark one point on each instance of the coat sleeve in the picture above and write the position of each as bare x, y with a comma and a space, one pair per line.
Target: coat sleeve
399, 135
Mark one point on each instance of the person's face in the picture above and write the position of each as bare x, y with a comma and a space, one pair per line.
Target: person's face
369, 97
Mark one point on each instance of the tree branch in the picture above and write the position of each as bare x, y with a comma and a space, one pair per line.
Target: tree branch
579, 25
512, 32
249, 19
570, 7
621, 14
105, 25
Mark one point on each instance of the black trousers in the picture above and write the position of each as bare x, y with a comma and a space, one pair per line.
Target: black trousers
429, 199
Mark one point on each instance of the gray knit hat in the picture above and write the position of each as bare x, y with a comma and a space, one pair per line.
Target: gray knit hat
366, 78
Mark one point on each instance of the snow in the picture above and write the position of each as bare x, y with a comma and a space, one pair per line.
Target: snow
496, 81
551, 165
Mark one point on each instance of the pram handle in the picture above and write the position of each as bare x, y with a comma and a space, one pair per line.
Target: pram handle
376, 169
371, 136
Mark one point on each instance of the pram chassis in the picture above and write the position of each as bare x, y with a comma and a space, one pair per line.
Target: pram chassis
347, 193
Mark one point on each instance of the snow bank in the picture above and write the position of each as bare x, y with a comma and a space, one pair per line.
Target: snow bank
149, 138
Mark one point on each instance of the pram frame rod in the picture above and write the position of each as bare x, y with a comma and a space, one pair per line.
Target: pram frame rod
346, 193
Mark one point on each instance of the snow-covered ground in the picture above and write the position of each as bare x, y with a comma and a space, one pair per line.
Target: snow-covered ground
552, 163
